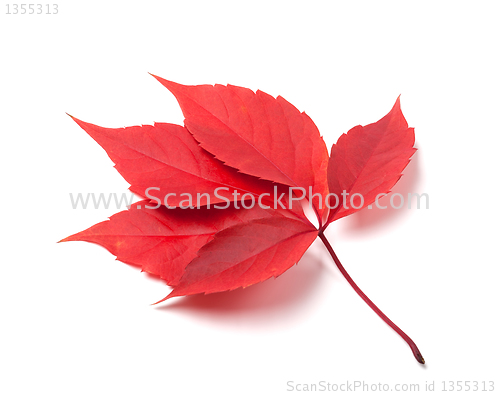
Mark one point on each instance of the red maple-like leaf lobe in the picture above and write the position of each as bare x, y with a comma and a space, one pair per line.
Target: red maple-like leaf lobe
164, 159
163, 241
246, 254
262, 136
369, 160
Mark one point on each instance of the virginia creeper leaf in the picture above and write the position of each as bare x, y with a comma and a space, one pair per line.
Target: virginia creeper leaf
369, 160
263, 136
248, 143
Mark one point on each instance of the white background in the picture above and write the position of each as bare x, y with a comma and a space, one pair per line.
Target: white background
74, 320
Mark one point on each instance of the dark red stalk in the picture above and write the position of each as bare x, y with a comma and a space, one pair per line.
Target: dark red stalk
408, 340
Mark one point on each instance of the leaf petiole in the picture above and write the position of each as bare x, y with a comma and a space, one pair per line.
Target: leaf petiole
408, 340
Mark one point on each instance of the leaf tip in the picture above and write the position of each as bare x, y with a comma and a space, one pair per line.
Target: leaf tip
159, 79
154, 76
77, 121
67, 239
170, 85
166, 298
397, 104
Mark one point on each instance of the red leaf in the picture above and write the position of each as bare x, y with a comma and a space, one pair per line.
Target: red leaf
209, 250
246, 254
369, 160
167, 157
163, 241
263, 136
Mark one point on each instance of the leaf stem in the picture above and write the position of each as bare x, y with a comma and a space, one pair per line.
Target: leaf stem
408, 340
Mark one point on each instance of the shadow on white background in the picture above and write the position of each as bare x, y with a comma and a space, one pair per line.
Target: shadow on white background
274, 302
